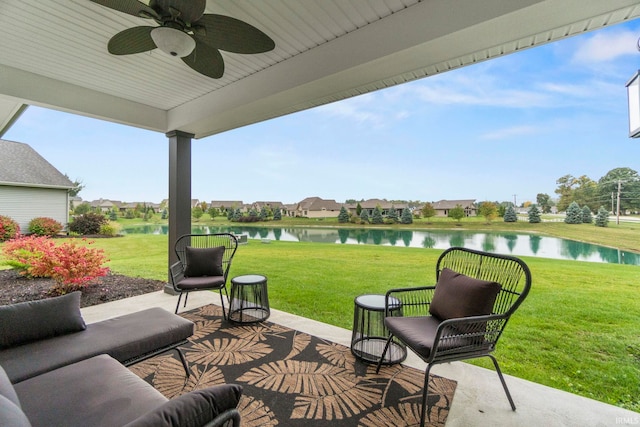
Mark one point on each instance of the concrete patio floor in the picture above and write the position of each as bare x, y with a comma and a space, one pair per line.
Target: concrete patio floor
479, 398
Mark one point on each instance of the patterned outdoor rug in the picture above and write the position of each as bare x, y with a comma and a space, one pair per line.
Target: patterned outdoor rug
294, 379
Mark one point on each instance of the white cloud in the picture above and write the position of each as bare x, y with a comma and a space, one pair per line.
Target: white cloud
606, 46
479, 90
510, 132
378, 110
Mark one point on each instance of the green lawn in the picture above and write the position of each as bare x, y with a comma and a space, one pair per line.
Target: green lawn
579, 329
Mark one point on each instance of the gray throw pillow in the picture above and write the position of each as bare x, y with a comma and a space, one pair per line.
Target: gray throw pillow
457, 295
6, 388
203, 261
193, 409
11, 415
34, 320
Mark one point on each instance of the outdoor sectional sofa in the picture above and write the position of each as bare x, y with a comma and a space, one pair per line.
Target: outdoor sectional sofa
55, 370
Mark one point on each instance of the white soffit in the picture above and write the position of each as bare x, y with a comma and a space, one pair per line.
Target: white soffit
53, 54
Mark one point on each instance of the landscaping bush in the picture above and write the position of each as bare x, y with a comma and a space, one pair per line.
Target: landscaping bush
88, 223
587, 217
43, 226
343, 216
110, 229
277, 214
510, 214
70, 264
534, 215
406, 217
574, 214
602, 219
248, 219
9, 229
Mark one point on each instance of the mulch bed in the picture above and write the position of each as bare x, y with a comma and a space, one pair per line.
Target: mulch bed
15, 288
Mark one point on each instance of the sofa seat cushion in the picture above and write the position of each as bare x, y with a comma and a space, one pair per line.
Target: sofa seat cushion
95, 392
124, 338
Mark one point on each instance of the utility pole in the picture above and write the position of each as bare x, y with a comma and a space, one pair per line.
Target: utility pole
618, 207
612, 203
514, 201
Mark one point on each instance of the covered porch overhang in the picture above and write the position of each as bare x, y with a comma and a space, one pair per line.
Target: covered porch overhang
53, 55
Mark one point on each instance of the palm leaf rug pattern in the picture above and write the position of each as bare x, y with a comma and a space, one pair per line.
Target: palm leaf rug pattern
294, 379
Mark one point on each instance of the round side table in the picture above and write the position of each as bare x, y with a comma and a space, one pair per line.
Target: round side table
369, 333
249, 299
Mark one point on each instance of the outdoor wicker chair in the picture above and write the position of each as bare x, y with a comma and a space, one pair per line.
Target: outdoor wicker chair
463, 315
204, 262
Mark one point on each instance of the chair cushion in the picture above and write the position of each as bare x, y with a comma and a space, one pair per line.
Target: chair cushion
204, 282
193, 409
203, 261
11, 415
34, 320
419, 333
457, 295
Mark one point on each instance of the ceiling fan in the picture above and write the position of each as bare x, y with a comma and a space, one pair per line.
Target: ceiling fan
187, 32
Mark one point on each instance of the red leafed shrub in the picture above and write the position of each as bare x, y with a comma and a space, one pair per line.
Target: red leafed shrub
70, 264
9, 229
43, 226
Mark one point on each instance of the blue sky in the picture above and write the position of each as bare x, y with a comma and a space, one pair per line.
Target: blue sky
505, 127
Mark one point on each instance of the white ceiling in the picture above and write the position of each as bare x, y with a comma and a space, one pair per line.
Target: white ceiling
53, 54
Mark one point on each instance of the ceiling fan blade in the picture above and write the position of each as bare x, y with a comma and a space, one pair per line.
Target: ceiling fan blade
132, 40
190, 10
206, 60
131, 7
233, 35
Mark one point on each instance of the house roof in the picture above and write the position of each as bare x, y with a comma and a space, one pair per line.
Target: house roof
272, 205
450, 204
21, 165
318, 204
226, 203
54, 54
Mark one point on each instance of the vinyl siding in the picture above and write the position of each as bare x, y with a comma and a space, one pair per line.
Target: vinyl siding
25, 203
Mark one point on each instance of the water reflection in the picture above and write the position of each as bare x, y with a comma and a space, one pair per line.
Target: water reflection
506, 243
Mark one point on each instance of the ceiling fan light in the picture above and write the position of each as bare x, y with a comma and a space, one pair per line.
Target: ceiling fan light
172, 41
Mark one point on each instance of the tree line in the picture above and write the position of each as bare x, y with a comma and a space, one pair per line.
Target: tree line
620, 187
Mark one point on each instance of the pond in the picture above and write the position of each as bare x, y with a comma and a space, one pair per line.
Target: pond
518, 244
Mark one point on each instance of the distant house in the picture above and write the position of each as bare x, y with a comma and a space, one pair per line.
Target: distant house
371, 204
223, 205
270, 205
315, 207
106, 206
30, 186
443, 207
290, 209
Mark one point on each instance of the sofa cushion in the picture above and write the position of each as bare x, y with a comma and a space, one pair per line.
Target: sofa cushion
6, 388
11, 415
97, 392
124, 338
203, 261
457, 295
35, 320
193, 409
